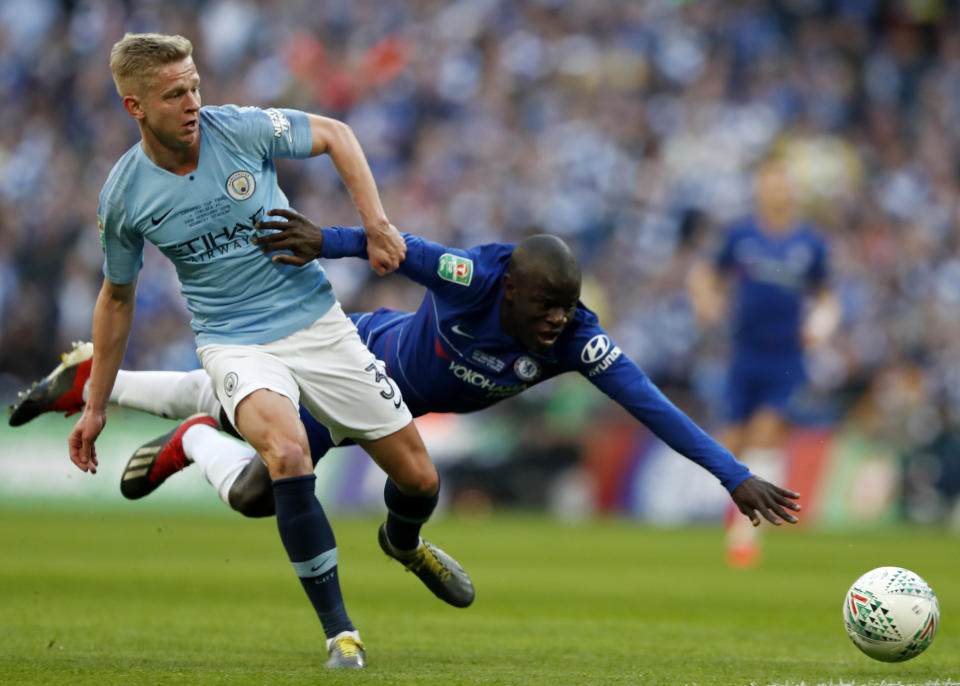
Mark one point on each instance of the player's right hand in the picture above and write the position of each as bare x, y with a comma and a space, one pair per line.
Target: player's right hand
385, 248
757, 497
83, 453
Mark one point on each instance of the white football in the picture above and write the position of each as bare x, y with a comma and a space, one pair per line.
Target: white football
891, 614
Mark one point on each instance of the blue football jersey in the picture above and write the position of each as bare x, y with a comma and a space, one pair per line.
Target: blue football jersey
773, 274
203, 222
452, 356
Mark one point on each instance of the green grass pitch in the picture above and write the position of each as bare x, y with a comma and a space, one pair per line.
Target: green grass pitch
138, 594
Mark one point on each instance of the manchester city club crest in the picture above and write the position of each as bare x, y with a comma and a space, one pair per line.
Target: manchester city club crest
241, 185
230, 383
526, 368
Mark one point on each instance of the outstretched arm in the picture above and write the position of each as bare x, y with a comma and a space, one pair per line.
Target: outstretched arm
626, 383
430, 264
112, 320
386, 247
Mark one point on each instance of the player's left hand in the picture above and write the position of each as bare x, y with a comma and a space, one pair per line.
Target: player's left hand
386, 248
756, 497
297, 234
83, 452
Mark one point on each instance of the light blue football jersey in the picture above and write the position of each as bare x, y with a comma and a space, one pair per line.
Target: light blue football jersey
203, 222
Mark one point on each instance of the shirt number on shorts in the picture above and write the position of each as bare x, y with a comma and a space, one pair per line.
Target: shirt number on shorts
391, 392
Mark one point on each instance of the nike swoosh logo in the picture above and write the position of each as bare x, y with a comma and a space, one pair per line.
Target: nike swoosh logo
162, 217
313, 569
460, 332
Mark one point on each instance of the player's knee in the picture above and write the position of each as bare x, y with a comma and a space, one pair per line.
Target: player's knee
420, 480
286, 457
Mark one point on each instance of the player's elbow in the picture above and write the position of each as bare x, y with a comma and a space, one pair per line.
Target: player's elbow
329, 135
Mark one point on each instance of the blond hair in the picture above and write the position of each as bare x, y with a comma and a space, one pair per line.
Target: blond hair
137, 56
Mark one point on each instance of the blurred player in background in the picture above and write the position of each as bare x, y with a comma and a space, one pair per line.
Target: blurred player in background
269, 335
496, 320
770, 263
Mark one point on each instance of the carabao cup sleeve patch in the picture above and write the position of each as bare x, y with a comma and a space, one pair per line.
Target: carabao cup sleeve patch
455, 269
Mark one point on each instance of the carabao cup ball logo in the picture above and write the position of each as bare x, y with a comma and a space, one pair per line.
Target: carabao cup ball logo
241, 185
595, 348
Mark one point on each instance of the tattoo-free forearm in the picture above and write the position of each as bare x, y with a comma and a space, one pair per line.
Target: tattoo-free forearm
338, 141
112, 321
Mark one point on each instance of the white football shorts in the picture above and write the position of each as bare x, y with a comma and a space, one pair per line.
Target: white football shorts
324, 366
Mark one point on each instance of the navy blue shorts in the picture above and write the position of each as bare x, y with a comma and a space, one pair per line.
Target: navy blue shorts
753, 384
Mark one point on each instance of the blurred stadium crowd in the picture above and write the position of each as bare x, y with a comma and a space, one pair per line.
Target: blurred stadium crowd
629, 128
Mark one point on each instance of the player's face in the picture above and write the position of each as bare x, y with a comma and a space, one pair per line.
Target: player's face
170, 104
537, 309
774, 197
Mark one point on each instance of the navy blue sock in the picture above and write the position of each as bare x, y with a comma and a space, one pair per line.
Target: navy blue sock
406, 514
308, 538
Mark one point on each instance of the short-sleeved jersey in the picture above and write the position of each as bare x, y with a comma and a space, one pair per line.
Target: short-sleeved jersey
773, 273
203, 222
452, 355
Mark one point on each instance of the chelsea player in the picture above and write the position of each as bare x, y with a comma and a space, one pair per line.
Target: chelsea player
496, 320
774, 263
270, 336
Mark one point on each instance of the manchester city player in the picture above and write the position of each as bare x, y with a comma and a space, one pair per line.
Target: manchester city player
270, 336
774, 262
496, 320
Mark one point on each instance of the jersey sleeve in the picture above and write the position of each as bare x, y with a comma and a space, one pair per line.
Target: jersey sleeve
444, 271
595, 356
122, 244
344, 241
271, 133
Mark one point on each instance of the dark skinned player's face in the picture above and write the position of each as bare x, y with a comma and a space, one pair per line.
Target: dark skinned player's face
536, 308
